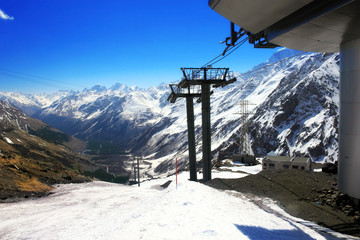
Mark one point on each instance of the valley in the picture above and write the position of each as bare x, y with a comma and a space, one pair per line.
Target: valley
294, 112
216, 119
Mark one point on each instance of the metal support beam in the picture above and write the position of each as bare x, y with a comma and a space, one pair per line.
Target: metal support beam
191, 137
206, 131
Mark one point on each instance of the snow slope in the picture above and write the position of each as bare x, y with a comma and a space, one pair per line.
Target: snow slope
100, 210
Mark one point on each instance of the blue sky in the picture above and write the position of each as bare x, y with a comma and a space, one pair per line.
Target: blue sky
71, 44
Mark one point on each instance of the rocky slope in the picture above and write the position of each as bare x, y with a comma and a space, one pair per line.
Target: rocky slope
312, 196
33, 155
295, 112
300, 114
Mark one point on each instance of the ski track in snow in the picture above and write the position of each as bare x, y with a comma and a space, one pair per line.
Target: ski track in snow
100, 210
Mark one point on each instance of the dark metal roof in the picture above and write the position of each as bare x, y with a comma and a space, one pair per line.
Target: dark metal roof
288, 159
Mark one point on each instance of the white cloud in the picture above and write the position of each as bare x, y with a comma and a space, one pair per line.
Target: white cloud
3, 15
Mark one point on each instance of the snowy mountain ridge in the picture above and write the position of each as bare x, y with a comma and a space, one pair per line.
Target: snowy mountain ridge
303, 114
295, 112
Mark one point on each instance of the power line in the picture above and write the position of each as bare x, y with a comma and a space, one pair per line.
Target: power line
27, 79
233, 48
208, 63
31, 77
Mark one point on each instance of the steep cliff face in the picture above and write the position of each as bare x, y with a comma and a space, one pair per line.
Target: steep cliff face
301, 116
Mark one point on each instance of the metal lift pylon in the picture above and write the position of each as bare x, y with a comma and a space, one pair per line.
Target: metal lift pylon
189, 94
197, 82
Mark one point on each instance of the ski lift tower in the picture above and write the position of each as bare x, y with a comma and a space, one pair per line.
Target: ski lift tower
202, 79
188, 93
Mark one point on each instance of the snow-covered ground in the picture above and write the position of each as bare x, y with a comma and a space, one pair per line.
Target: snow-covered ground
100, 210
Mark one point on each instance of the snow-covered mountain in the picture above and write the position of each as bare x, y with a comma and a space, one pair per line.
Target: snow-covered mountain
295, 112
299, 115
22, 132
31, 104
303, 114
114, 115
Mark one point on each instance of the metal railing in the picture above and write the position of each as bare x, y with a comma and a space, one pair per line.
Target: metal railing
207, 74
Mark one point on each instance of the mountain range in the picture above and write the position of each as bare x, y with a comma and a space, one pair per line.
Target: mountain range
294, 99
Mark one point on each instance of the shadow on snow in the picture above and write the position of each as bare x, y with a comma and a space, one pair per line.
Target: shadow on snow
254, 233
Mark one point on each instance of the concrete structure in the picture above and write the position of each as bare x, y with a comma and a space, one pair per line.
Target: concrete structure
349, 142
308, 25
284, 162
314, 26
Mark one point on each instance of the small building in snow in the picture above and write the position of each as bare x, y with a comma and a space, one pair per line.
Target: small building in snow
284, 162
240, 158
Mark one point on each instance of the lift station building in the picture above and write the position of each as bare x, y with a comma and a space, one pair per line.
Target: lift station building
326, 26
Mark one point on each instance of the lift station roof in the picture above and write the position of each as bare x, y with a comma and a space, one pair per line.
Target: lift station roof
308, 25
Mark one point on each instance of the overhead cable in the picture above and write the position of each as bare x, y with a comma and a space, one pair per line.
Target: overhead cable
236, 46
30, 77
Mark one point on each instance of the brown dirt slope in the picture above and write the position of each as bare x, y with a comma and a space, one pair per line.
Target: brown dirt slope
34, 156
30, 165
307, 195
23, 178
